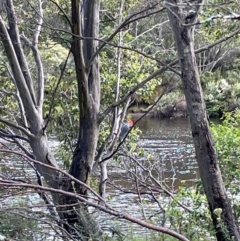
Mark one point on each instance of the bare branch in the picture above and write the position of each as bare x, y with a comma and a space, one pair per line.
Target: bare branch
43, 195
38, 61
160, 71
56, 169
116, 120
18, 99
148, 30
26, 132
65, 132
14, 33
16, 95
5, 134
101, 116
55, 91
225, 38
40, 72
20, 145
39, 23
231, 16
159, 184
102, 208
63, 12
111, 154
127, 21
16, 69
110, 151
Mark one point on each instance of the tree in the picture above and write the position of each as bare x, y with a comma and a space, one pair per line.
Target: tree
69, 192
33, 108
183, 20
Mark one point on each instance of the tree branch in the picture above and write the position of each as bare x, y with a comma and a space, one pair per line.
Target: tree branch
56, 169
63, 12
110, 155
14, 33
55, 91
5, 134
22, 87
18, 99
126, 22
40, 73
100, 207
40, 96
102, 115
27, 133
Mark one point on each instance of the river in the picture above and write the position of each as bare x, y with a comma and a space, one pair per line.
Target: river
171, 142
168, 154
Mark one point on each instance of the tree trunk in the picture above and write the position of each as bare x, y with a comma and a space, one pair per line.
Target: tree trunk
31, 115
183, 30
88, 79
85, 22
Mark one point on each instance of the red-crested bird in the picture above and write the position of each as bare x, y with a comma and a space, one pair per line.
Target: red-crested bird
125, 128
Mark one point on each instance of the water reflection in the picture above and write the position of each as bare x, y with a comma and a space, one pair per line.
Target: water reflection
164, 128
171, 159
170, 142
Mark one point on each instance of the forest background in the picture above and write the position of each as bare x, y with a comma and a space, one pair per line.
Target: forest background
75, 70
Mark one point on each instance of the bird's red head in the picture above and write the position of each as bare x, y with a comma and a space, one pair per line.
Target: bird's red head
130, 122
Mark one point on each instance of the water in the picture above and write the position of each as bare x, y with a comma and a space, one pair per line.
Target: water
168, 163
171, 143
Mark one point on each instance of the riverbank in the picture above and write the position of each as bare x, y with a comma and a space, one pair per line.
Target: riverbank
175, 110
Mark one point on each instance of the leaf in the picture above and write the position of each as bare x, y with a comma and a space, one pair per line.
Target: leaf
58, 109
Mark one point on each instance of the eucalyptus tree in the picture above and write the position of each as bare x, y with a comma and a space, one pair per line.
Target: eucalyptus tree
183, 19
27, 123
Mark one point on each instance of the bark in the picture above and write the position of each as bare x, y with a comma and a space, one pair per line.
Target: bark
34, 128
13, 32
88, 80
84, 46
116, 113
183, 30
37, 137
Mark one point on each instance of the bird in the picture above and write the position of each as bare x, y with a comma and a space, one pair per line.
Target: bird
125, 129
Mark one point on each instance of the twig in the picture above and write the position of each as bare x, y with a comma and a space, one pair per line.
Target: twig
27, 133
117, 148
63, 12
55, 91
100, 207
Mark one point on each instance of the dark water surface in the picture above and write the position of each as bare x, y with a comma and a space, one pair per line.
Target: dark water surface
171, 143
171, 146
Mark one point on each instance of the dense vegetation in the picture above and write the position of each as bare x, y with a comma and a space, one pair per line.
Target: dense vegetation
69, 81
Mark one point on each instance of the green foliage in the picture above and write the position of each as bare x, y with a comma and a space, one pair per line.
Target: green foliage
221, 94
219, 27
134, 69
15, 225
64, 113
7, 95
227, 144
195, 225
169, 99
